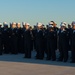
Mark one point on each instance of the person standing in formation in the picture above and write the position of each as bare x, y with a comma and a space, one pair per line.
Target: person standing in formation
27, 41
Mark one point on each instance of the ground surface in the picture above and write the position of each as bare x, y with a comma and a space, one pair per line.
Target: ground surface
17, 65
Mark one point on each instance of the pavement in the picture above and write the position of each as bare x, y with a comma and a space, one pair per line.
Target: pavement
17, 65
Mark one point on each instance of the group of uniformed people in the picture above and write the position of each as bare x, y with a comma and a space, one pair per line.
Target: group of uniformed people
44, 40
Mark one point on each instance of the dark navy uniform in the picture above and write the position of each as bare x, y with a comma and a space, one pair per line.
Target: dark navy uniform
73, 45
27, 43
39, 44
14, 41
34, 38
1, 47
56, 41
19, 35
45, 40
69, 39
51, 45
6, 40
63, 45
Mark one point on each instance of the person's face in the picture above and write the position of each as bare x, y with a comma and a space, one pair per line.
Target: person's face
18, 26
69, 26
73, 27
54, 25
27, 26
62, 27
51, 29
14, 26
39, 27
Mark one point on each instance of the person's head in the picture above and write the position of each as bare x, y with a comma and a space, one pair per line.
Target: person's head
5, 24
13, 25
69, 26
18, 25
10, 25
51, 28
51, 22
35, 27
27, 25
23, 24
54, 25
30, 28
64, 23
62, 26
73, 25
39, 25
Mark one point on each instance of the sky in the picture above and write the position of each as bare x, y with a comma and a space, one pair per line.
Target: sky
33, 11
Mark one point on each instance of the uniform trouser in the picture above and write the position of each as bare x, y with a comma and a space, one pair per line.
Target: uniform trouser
6, 46
27, 48
63, 52
22, 45
51, 51
19, 46
1, 49
34, 44
45, 45
73, 53
55, 43
14, 49
39, 50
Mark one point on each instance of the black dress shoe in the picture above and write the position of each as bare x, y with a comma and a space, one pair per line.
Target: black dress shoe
48, 58
40, 58
24, 57
0, 53
53, 59
60, 60
37, 58
72, 62
28, 57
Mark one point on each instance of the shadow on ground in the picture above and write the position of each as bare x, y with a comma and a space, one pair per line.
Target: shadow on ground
19, 58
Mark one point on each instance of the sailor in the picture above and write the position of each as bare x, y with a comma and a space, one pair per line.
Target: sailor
19, 36
63, 43
22, 37
34, 38
14, 39
27, 41
39, 42
56, 30
51, 35
5, 38
73, 42
1, 47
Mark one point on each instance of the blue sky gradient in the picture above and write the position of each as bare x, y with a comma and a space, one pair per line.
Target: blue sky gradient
33, 11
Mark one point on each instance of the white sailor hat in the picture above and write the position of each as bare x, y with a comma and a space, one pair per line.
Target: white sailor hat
51, 23
62, 25
5, 24
73, 23
18, 23
51, 26
27, 24
23, 23
14, 23
69, 24
39, 24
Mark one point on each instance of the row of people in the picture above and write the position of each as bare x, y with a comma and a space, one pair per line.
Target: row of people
44, 40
